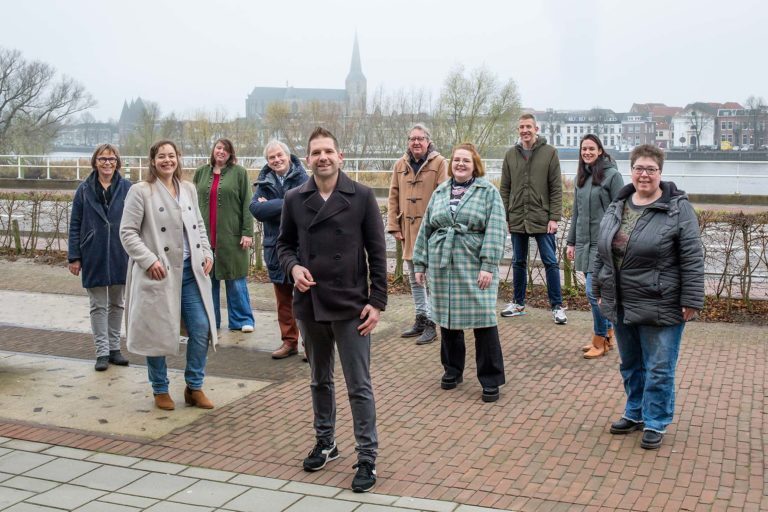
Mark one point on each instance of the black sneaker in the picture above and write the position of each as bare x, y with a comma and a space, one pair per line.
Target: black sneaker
451, 381
651, 440
365, 478
102, 363
490, 394
320, 455
625, 426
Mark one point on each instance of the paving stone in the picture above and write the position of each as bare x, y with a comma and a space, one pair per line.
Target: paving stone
315, 504
422, 504
367, 497
208, 474
157, 485
27, 446
29, 484
10, 496
169, 506
30, 507
113, 460
472, 508
3, 451
259, 481
5, 476
312, 489
101, 506
18, 462
369, 507
160, 467
4, 439
127, 499
69, 453
62, 470
109, 478
66, 496
263, 500
208, 493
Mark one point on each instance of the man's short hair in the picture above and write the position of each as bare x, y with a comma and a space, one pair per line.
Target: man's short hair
319, 133
530, 116
647, 151
420, 126
276, 143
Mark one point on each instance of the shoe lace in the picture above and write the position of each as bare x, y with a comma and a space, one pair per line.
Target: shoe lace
317, 451
364, 468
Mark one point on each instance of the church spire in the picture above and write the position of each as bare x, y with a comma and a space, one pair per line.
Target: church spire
356, 84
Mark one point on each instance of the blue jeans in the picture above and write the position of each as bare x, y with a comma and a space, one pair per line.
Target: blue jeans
419, 292
196, 321
238, 303
600, 323
548, 254
648, 360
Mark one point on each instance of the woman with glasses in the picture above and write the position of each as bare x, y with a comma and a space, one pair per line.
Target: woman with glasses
597, 184
224, 195
459, 246
649, 281
95, 251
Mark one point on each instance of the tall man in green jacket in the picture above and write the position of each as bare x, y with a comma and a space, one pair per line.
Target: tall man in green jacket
532, 192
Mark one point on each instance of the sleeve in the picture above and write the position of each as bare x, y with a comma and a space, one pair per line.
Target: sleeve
265, 211
492, 249
205, 244
130, 230
75, 222
555, 188
288, 240
442, 172
196, 178
691, 258
393, 205
245, 196
376, 250
571, 238
420, 249
505, 185
617, 183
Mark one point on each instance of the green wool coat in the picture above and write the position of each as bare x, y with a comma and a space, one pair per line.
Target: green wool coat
589, 205
453, 250
233, 219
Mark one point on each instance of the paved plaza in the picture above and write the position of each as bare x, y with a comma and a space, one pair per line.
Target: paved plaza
75, 439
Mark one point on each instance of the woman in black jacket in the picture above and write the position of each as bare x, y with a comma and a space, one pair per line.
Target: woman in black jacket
649, 279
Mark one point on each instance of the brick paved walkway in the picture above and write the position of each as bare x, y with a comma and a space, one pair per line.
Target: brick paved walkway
544, 446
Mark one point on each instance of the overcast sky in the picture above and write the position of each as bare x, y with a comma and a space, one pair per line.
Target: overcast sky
564, 54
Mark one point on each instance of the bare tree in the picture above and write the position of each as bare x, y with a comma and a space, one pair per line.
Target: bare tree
477, 108
34, 103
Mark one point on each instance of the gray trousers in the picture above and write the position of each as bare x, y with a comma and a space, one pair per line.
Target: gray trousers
355, 357
419, 292
106, 317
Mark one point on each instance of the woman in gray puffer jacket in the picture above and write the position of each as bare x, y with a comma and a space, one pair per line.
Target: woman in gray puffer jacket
649, 279
597, 185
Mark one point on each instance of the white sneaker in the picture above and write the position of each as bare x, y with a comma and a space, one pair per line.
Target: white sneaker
513, 309
247, 328
558, 313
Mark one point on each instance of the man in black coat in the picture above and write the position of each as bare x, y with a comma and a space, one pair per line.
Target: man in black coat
332, 245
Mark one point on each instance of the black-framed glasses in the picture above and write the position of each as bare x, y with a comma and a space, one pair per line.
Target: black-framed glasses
106, 160
639, 170
418, 138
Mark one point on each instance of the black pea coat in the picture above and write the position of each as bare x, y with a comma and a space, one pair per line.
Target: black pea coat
341, 241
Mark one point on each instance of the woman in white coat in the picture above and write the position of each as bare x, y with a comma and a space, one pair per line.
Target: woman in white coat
163, 233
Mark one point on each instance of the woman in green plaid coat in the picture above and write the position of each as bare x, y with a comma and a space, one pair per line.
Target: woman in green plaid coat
459, 246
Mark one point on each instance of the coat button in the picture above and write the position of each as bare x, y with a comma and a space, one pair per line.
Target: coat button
162, 229
194, 226
198, 246
189, 207
167, 249
337, 256
162, 209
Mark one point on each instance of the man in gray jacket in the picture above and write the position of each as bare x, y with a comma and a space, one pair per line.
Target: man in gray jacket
532, 192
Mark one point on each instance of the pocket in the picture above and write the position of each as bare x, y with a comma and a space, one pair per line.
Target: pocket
87, 238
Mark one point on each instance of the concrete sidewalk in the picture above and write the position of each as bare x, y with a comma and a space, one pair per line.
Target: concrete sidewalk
544, 445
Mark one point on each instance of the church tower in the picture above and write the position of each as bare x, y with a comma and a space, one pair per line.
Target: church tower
356, 84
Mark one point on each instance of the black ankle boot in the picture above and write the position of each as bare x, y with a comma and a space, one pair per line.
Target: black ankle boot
418, 327
115, 357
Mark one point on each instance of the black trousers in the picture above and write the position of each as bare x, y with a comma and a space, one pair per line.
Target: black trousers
490, 363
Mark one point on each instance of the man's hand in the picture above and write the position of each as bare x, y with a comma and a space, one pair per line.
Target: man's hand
689, 313
421, 278
302, 279
74, 268
552, 227
570, 252
156, 271
371, 321
398, 235
246, 242
262, 199
484, 279
207, 266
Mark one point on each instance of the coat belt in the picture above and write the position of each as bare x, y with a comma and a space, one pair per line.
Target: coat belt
442, 239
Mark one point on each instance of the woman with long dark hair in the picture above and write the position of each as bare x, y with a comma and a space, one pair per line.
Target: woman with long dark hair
597, 185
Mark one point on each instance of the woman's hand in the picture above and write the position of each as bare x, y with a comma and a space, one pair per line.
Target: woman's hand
689, 313
484, 279
421, 278
156, 271
246, 242
207, 266
570, 252
74, 268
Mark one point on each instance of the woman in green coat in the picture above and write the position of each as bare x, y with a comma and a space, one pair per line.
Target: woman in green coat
224, 194
459, 246
597, 184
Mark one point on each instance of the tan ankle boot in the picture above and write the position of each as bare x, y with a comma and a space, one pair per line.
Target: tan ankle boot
164, 401
599, 349
587, 348
284, 351
609, 337
197, 398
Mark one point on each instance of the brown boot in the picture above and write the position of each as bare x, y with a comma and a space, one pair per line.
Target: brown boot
609, 337
164, 401
286, 350
587, 348
599, 348
197, 398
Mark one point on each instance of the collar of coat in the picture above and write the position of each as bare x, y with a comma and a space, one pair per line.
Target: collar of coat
267, 175
337, 202
670, 195
540, 141
431, 153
